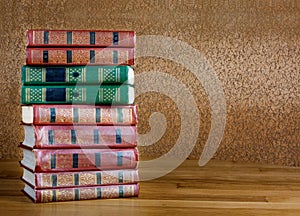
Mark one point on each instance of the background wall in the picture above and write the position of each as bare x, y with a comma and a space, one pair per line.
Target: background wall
254, 47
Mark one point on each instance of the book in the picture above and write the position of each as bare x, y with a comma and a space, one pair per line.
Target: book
88, 94
79, 136
87, 38
81, 193
78, 115
58, 160
72, 75
79, 56
61, 114
79, 179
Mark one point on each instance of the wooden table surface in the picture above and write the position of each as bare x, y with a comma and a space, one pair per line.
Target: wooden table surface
219, 188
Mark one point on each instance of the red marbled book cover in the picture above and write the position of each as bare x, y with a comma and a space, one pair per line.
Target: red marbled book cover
84, 38
79, 56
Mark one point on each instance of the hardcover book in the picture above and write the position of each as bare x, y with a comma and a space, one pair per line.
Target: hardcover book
79, 179
79, 136
72, 75
84, 38
59, 160
89, 94
79, 114
79, 120
79, 56
81, 193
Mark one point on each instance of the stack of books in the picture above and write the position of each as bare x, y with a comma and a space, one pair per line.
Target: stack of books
79, 116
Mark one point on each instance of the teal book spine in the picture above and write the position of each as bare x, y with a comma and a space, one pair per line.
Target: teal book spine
72, 75
89, 94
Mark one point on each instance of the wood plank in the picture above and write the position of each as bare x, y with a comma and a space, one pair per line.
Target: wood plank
219, 188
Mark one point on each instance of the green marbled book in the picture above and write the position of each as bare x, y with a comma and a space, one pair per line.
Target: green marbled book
72, 75
88, 94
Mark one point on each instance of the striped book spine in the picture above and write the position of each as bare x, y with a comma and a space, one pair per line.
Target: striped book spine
79, 114
82, 193
84, 38
89, 94
80, 136
79, 159
79, 56
74, 75
83, 178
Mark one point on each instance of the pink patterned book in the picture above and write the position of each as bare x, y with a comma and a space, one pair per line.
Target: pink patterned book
80, 136
40, 180
59, 160
44, 114
81, 193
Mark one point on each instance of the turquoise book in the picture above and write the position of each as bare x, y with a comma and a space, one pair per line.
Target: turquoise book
87, 94
71, 75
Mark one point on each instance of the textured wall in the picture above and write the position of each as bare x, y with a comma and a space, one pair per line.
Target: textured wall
253, 46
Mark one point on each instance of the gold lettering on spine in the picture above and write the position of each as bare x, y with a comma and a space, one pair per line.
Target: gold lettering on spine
33, 36
27, 74
118, 74
32, 56
118, 94
27, 94
94, 179
83, 92
101, 117
43, 94
100, 95
83, 75
67, 74
100, 75
43, 74
73, 179
68, 95
95, 192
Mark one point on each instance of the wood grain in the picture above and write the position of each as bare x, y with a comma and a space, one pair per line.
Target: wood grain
219, 188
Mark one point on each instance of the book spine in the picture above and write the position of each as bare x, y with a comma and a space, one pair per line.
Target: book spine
72, 114
77, 75
86, 178
79, 56
80, 38
87, 193
54, 136
92, 94
85, 159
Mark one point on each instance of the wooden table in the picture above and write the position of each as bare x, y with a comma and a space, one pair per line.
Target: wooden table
219, 188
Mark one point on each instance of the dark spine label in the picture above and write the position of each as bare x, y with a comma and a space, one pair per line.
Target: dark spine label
55, 94
55, 74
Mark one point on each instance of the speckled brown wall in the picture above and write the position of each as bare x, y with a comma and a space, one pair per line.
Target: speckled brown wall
254, 47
